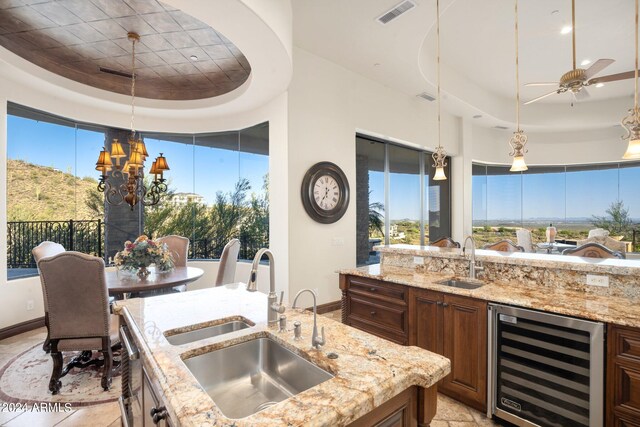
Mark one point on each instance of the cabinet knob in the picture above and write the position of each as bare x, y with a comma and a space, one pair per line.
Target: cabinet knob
444, 304
372, 289
373, 312
158, 414
438, 302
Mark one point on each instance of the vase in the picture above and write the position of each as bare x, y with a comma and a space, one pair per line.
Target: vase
143, 272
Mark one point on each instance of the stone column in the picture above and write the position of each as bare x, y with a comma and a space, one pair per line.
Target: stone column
362, 209
120, 222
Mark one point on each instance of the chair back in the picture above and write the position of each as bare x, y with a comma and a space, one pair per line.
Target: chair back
598, 232
606, 241
524, 239
445, 242
504, 246
76, 295
179, 248
46, 249
228, 262
593, 250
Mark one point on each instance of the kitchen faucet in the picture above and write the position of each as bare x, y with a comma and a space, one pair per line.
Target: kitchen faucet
473, 267
316, 341
273, 307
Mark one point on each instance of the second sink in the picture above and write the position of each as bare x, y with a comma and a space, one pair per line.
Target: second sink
207, 332
463, 284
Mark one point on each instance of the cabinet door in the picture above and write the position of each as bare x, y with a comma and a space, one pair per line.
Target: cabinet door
623, 376
150, 401
426, 320
465, 344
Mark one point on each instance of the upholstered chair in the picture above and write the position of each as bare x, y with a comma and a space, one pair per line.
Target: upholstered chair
79, 319
606, 241
228, 263
524, 239
504, 246
43, 250
593, 250
179, 248
445, 242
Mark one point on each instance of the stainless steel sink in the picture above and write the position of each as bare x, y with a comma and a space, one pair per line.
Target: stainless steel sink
246, 378
206, 332
463, 284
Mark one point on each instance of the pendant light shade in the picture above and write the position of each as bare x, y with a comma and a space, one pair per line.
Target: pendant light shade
633, 149
439, 175
631, 123
518, 139
440, 155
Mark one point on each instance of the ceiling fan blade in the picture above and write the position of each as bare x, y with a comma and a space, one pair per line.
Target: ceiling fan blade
582, 94
597, 66
542, 84
540, 97
613, 77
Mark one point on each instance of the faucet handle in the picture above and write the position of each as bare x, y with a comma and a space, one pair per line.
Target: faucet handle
320, 340
281, 297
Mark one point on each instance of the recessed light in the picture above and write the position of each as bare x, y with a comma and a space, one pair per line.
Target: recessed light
566, 29
193, 58
585, 62
600, 85
477, 116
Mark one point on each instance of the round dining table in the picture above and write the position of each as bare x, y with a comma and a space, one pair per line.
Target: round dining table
120, 283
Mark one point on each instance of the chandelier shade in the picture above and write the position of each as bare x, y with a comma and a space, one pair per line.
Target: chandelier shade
631, 123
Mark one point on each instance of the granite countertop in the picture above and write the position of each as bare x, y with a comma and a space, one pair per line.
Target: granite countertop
368, 372
602, 308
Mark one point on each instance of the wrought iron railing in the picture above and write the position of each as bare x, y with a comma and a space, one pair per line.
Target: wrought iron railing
212, 248
22, 236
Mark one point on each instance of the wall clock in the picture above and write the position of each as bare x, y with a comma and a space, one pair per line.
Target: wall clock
325, 192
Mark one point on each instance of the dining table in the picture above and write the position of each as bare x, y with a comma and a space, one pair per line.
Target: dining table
120, 283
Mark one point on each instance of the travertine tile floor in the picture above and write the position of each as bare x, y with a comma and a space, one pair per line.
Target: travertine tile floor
450, 413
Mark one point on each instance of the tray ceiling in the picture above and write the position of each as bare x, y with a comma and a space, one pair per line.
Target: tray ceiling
75, 38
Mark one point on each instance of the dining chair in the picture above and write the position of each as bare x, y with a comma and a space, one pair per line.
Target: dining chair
504, 246
445, 242
179, 248
79, 318
593, 250
596, 232
44, 250
228, 263
524, 239
606, 241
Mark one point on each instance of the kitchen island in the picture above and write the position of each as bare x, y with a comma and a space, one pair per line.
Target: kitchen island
370, 374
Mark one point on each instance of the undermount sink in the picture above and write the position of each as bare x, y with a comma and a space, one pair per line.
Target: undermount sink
462, 284
246, 378
206, 332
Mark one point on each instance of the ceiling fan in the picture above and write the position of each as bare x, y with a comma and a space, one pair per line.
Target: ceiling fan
576, 80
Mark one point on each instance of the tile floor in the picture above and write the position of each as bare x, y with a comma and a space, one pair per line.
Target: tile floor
450, 413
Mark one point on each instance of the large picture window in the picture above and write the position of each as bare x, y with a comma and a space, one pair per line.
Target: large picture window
396, 199
218, 189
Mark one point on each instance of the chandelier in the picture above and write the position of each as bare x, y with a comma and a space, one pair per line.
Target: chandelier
518, 139
122, 178
440, 155
631, 123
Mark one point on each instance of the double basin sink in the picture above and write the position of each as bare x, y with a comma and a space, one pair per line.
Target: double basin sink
251, 376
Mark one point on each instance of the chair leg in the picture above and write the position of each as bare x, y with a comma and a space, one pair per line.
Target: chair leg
54, 383
47, 341
108, 363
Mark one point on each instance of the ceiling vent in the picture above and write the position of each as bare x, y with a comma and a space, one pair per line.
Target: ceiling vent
501, 127
425, 95
398, 10
116, 72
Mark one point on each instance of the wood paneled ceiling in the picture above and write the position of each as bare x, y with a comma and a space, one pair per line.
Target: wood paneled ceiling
75, 38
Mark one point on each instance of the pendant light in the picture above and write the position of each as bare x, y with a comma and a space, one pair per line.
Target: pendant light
631, 123
440, 155
518, 139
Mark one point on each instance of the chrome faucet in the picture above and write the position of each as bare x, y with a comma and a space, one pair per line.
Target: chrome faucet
473, 267
316, 341
273, 307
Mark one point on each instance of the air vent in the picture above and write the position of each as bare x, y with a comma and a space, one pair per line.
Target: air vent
425, 95
501, 127
116, 72
398, 10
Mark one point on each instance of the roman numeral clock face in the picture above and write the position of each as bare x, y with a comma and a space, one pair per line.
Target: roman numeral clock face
325, 192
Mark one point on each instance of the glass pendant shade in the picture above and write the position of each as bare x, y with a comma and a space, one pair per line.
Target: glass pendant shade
518, 164
439, 175
633, 149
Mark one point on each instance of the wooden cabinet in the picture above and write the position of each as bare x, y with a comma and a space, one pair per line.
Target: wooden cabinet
376, 307
455, 327
623, 376
450, 325
152, 406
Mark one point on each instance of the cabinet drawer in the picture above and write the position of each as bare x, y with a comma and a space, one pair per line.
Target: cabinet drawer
378, 331
627, 344
378, 289
369, 310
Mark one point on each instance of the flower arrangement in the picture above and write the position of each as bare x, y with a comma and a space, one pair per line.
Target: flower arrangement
143, 252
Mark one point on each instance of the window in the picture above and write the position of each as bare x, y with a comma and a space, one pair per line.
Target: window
218, 189
396, 199
569, 197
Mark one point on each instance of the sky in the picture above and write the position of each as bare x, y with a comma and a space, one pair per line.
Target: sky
194, 169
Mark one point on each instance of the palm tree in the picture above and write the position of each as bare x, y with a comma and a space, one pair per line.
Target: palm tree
376, 219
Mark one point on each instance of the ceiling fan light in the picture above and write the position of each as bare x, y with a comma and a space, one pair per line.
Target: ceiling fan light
518, 164
439, 175
633, 149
